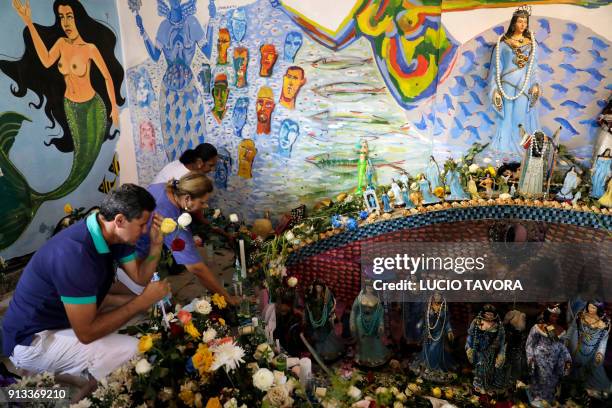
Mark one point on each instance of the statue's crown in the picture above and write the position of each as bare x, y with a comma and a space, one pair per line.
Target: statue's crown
522, 10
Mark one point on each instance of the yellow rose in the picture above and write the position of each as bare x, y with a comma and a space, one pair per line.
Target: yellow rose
168, 226
192, 330
448, 393
436, 392
214, 403
439, 192
68, 208
203, 359
145, 343
187, 396
492, 171
222, 321
219, 301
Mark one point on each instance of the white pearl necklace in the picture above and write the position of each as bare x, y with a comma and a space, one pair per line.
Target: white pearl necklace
498, 72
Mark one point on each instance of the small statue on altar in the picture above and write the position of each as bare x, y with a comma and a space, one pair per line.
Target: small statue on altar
570, 182
367, 327
426, 191
515, 366
486, 350
397, 194
487, 184
320, 318
434, 363
473, 189
386, 202
537, 147
453, 179
547, 358
433, 173
404, 178
587, 340
406, 198
606, 199
602, 169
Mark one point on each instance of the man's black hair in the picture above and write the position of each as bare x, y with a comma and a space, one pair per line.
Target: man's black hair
130, 200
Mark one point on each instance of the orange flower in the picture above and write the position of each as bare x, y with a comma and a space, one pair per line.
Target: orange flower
219, 301
439, 191
214, 403
184, 316
222, 321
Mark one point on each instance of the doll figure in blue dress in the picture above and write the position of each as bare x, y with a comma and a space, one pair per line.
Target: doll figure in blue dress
514, 88
320, 319
453, 180
426, 192
602, 170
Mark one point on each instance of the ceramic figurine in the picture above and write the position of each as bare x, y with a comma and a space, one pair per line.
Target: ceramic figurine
397, 194
570, 182
426, 192
386, 202
406, 198
547, 357
515, 367
537, 147
514, 90
320, 317
453, 179
487, 183
602, 169
473, 189
434, 363
433, 174
367, 327
606, 199
587, 340
486, 351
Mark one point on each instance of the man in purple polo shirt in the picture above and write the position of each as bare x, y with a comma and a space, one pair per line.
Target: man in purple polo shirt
55, 321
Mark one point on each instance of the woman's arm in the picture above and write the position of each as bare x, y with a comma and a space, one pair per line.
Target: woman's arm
47, 58
110, 87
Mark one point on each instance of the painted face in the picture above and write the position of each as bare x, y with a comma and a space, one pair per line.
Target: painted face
204, 77
220, 94
287, 136
129, 232
176, 13
239, 116
520, 25
293, 43
238, 24
147, 137
240, 62
268, 59
246, 156
221, 173
223, 43
264, 109
591, 309
66, 17
292, 83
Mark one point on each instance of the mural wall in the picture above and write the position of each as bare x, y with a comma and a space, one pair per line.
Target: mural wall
287, 99
61, 93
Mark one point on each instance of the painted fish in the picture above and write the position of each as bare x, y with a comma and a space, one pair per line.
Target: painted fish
345, 162
351, 117
106, 186
348, 91
326, 138
333, 63
114, 166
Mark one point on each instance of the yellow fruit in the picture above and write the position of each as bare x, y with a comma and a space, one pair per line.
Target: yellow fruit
436, 392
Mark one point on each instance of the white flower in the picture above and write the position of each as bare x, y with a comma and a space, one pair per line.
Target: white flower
289, 236
473, 168
217, 213
233, 218
505, 196
231, 403
321, 392
292, 282
263, 379
209, 335
143, 366
398, 404
84, 403
487, 160
184, 220
169, 317
203, 307
228, 355
354, 392
279, 378
264, 351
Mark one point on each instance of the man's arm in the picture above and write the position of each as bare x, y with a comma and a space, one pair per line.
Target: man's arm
89, 325
141, 270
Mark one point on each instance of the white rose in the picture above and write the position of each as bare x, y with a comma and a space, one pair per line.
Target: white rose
289, 236
231, 403
279, 378
292, 282
217, 213
184, 220
209, 335
143, 366
263, 379
203, 307
473, 168
398, 404
354, 392
505, 196
169, 317
233, 217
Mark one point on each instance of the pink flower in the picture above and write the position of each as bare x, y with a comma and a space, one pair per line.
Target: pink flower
184, 316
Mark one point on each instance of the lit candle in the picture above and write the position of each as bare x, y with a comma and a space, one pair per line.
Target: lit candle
242, 259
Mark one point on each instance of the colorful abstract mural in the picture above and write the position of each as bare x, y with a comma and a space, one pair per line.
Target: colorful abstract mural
61, 85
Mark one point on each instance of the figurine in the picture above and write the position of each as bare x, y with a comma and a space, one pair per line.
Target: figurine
362, 182
433, 174
588, 339
453, 179
602, 169
404, 178
509, 176
537, 147
487, 183
515, 366
606, 199
486, 350
473, 189
367, 327
570, 182
386, 202
397, 194
426, 192
320, 318
547, 358
406, 198
514, 90
434, 362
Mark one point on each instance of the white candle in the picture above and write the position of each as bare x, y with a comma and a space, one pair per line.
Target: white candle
240, 288
242, 259
305, 368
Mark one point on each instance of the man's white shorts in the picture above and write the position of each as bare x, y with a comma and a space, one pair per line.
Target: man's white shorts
61, 352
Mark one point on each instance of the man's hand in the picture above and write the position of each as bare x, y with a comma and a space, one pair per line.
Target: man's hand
233, 300
157, 238
154, 292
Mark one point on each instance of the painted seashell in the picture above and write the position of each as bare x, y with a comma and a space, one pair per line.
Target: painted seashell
596, 209
585, 207
414, 211
422, 209
341, 197
455, 204
446, 204
386, 216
